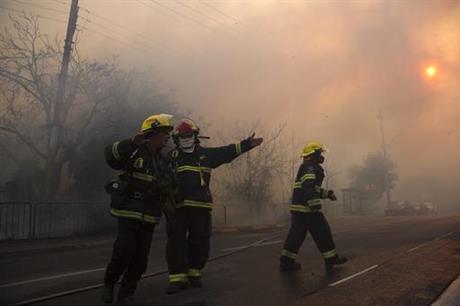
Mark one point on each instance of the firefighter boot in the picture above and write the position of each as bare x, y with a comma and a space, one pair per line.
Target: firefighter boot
127, 301
176, 287
126, 297
288, 264
195, 281
334, 261
107, 293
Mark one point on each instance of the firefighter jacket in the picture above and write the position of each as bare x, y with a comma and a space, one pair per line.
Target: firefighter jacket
144, 181
307, 193
193, 170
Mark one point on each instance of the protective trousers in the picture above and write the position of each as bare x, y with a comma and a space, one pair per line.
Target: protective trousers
130, 254
187, 249
317, 225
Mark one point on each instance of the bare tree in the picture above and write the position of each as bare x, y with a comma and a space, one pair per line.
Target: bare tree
251, 177
29, 65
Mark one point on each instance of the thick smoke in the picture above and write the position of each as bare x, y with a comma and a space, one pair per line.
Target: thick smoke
327, 68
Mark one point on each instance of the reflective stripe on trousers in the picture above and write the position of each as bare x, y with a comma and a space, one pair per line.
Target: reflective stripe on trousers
180, 277
288, 254
134, 215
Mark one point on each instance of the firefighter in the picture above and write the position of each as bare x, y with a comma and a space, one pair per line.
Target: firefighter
306, 215
137, 199
187, 248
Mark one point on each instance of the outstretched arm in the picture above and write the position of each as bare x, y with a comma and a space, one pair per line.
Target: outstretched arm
226, 154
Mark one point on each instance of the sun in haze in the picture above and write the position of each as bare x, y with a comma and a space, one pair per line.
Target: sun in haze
431, 71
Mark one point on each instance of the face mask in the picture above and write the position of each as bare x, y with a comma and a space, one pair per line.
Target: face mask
320, 159
187, 144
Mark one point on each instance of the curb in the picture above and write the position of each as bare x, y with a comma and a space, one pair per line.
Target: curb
65, 245
451, 295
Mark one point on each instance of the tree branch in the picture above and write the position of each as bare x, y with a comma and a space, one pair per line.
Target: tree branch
20, 81
24, 139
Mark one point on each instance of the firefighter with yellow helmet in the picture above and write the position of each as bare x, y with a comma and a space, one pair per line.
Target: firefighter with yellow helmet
306, 215
187, 249
137, 199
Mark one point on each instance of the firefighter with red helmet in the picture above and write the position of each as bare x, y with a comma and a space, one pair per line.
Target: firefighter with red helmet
306, 212
189, 232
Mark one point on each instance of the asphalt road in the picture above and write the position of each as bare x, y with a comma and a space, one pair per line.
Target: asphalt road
393, 261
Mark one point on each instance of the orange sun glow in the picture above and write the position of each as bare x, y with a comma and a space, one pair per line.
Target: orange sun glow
431, 71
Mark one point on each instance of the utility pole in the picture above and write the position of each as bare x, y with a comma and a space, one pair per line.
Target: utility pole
71, 27
385, 155
56, 115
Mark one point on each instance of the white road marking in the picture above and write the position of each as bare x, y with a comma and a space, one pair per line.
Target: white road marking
50, 278
270, 242
8, 285
223, 250
415, 248
375, 266
444, 236
352, 276
263, 243
254, 245
425, 243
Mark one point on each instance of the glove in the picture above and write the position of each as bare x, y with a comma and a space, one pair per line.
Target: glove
331, 196
255, 141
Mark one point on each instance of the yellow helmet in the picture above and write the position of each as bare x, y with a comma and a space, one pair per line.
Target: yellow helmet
157, 121
312, 147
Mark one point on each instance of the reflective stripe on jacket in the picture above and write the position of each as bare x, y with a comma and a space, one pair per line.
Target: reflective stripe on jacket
140, 170
307, 191
193, 170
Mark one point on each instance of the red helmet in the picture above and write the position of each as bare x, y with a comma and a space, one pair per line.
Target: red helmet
186, 127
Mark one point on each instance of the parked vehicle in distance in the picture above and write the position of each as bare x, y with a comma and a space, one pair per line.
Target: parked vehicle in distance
407, 208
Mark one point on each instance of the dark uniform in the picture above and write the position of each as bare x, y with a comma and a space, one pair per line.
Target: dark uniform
187, 254
307, 215
136, 200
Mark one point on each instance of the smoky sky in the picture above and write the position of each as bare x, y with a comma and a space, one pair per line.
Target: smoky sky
325, 67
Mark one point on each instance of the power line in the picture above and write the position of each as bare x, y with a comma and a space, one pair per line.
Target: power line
41, 7
179, 21
218, 11
181, 15
92, 31
133, 40
39, 15
61, 2
197, 11
151, 7
108, 29
134, 44
140, 46
191, 8
122, 27
158, 3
